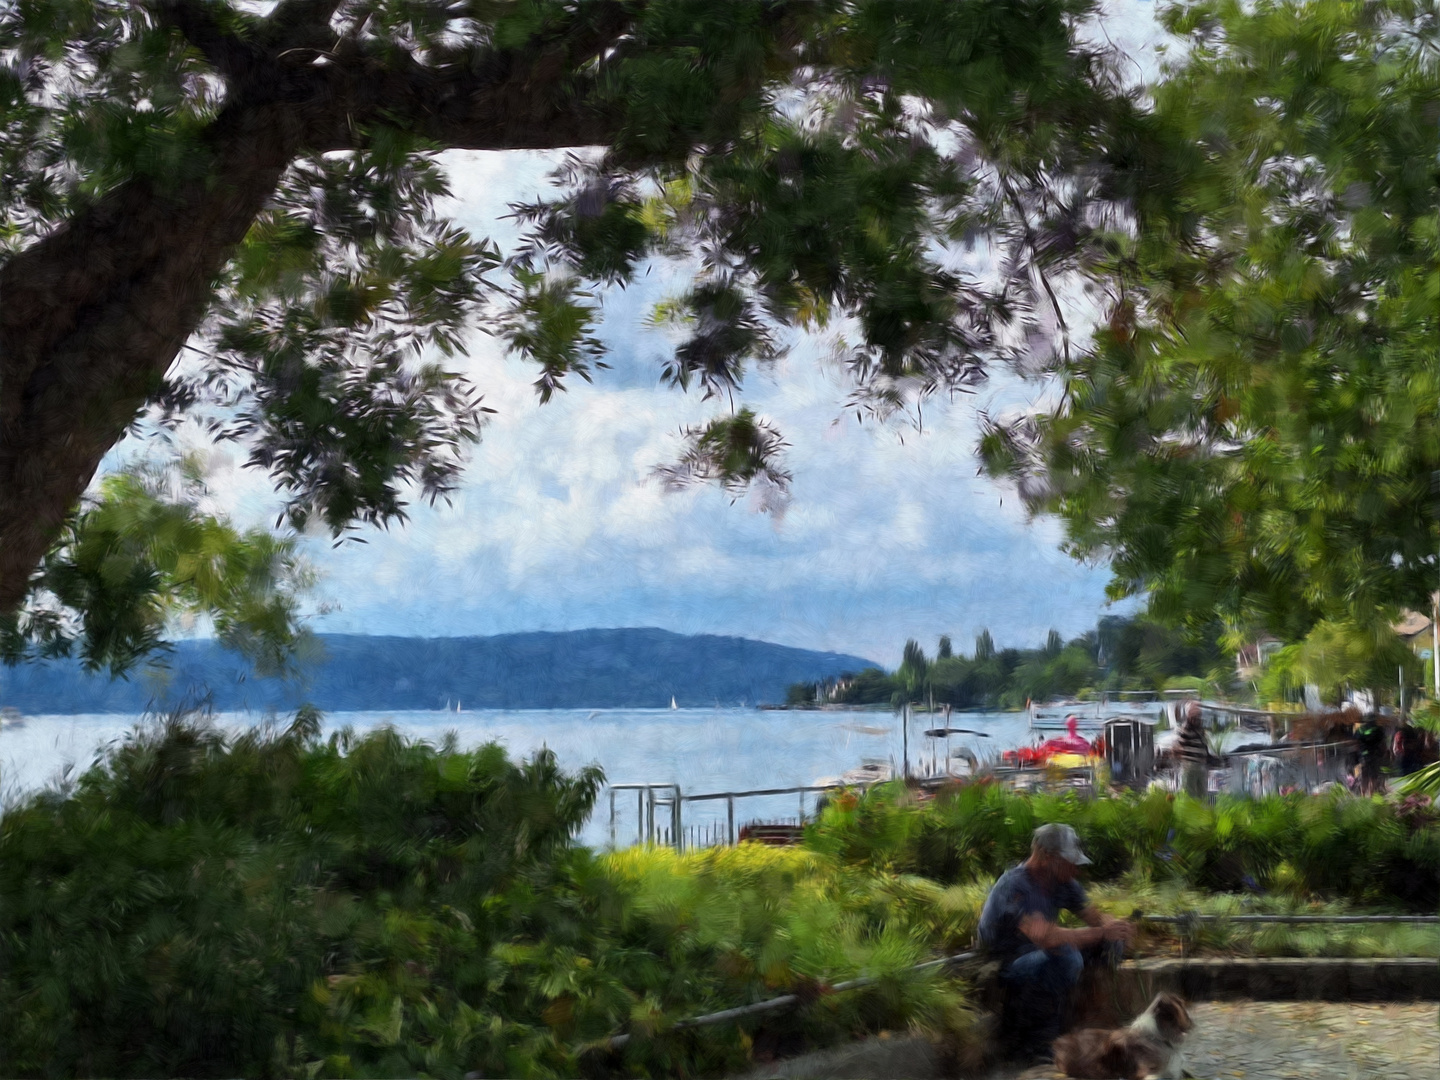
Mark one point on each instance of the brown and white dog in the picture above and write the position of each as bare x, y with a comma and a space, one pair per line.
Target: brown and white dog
1149, 1049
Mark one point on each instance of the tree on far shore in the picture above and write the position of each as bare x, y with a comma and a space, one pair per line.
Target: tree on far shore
1120, 654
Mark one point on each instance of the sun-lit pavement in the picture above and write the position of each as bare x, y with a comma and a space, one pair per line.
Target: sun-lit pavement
1278, 1040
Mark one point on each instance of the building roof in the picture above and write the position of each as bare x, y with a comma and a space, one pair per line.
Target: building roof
1412, 623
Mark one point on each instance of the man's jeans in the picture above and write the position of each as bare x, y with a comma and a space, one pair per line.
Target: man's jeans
1039, 983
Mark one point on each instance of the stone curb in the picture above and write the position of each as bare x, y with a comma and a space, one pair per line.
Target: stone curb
1285, 979
1202, 979
911, 1057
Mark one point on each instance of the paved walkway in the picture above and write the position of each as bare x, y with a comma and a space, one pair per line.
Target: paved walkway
1277, 1040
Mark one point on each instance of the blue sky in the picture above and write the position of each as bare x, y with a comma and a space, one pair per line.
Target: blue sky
888, 534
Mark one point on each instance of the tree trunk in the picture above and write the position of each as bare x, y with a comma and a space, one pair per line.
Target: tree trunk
92, 316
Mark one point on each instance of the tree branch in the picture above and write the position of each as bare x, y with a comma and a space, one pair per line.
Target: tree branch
504, 102
95, 312
491, 99
229, 54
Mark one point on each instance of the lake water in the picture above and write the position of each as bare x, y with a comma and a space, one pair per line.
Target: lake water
701, 750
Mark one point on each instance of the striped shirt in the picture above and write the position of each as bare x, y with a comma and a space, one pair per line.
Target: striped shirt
1193, 749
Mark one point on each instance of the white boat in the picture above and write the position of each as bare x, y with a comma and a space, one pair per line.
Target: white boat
867, 729
1091, 716
871, 772
672, 702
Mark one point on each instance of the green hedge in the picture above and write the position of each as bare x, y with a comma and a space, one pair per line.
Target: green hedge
202, 907
1364, 851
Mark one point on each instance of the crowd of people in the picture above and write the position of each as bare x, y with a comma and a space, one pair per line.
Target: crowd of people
1394, 750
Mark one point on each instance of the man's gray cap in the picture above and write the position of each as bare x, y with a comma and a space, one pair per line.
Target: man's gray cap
1059, 840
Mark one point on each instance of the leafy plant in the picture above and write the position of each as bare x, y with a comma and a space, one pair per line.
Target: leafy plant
269, 904
1252, 433
1363, 851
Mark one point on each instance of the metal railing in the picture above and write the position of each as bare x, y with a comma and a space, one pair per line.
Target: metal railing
1184, 921
1194, 918
1269, 770
656, 798
790, 1001
1257, 772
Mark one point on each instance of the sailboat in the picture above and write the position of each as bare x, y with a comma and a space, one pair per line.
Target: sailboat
672, 702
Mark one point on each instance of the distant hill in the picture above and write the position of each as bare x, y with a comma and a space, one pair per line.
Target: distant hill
634, 668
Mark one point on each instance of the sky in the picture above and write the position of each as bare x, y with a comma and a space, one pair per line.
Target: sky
888, 533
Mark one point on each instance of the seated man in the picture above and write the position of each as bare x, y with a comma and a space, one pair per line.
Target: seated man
1040, 961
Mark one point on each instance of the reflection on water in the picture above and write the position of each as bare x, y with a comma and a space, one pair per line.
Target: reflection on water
701, 750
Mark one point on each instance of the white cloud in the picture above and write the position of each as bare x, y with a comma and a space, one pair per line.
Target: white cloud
889, 533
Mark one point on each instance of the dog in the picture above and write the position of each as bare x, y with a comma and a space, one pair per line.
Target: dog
1149, 1049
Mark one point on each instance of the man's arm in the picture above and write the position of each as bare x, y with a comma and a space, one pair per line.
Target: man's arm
1047, 935
1093, 916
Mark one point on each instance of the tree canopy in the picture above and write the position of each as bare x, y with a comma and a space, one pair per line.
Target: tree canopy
1254, 430
232, 211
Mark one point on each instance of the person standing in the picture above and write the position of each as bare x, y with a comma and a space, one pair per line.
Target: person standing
1370, 739
1194, 752
1040, 961
1409, 742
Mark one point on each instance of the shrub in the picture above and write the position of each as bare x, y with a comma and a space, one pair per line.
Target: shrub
199, 905
273, 905
1365, 851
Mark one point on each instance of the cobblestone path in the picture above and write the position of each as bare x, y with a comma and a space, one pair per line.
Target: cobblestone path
1287, 1040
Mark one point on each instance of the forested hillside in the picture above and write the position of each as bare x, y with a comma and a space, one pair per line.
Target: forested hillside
635, 668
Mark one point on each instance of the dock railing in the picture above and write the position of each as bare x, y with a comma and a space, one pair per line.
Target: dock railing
669, 800
661, 808
1271, 769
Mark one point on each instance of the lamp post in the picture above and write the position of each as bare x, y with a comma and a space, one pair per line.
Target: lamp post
905, 740
1435, 599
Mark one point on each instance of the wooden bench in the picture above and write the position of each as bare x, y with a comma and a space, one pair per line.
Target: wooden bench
774, 835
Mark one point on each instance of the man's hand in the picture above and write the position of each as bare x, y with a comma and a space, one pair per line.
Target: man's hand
1118, 930
1111, 928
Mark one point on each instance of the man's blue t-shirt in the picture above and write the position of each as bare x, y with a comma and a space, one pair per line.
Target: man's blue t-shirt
1015, 896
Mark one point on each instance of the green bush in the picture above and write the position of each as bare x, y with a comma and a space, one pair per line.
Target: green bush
1364, 851
201, 906
274, 905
